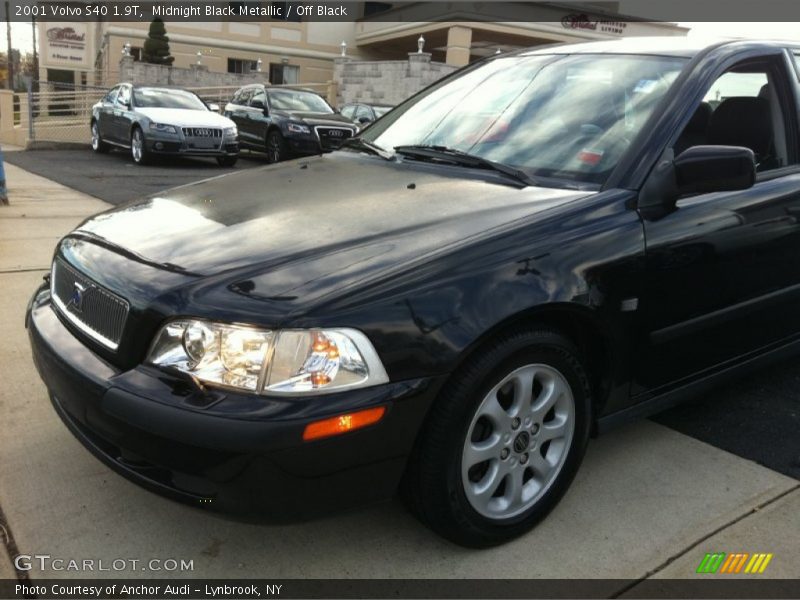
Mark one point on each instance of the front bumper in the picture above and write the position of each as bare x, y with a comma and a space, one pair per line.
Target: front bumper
163, 143
151, 429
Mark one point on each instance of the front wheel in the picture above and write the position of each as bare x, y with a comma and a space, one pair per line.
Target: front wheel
139, 151
98, 145
227, 161
277, 148
503, 441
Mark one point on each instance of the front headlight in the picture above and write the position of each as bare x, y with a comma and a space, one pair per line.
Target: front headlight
288, 362
230, 132
163, 128
297, 128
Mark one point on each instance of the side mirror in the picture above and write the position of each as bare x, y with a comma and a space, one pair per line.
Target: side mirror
703, 169
213, 107
697, 170
364, 120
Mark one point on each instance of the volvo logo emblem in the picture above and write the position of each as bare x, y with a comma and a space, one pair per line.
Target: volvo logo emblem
521, 442
76, 299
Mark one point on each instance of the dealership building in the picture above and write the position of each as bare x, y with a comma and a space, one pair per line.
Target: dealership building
292, 50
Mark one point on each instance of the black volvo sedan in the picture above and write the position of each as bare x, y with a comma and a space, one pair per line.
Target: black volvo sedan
527, 252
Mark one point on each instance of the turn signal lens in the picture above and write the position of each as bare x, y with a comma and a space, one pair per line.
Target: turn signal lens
343, 423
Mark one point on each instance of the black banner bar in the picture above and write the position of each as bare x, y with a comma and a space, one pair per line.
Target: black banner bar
429, 10
185, 589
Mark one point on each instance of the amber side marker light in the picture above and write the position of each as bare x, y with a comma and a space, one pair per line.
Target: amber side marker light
343, 423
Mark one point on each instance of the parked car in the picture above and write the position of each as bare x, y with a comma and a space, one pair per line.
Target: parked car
155, 120
286, 122
364, 114
536, 248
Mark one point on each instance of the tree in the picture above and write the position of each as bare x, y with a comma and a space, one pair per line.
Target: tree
156, 46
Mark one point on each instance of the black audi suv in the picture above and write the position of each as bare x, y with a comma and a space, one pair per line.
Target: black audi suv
286, 122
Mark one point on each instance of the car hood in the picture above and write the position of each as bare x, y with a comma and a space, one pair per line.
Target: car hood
315, 224
315, 118
183, 117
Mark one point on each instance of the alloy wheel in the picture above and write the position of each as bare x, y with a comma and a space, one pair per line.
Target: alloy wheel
273, 149
137, 143
95, 137
518, 441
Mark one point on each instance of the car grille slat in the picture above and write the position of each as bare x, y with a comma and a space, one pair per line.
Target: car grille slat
331, 138
97, 312
202, 132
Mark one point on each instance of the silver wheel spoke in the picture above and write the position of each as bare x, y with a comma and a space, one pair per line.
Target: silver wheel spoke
523, 390
553, 391
554, 429
540, 465
492, 409
478, 452
482, 491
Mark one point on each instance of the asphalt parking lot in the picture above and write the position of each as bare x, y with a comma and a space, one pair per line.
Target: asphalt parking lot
115, 178
650, 500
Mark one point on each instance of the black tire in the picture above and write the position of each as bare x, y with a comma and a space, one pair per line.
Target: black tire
433, 488
276, 147
227, 161
142, 156
98, 145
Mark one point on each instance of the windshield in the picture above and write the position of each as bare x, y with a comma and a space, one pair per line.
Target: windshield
566, 117
164, 98
299, 101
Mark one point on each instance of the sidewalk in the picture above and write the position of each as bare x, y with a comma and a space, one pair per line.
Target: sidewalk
648, 502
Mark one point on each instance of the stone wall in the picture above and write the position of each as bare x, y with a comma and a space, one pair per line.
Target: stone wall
386, 81
194, 76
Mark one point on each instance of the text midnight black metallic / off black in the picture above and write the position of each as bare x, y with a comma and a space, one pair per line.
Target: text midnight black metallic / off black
534, 248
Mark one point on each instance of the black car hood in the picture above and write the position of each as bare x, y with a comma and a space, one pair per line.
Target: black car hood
314, 118
317, 224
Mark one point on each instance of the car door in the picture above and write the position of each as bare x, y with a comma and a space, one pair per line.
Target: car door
723, 268
106, 113
237, 111
258, 117
121, 115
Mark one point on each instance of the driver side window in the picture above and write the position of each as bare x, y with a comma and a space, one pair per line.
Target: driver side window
124, 97
745, 106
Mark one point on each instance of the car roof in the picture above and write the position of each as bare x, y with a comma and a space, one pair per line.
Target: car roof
685, 46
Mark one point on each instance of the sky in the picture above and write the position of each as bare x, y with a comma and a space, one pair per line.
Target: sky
22, 35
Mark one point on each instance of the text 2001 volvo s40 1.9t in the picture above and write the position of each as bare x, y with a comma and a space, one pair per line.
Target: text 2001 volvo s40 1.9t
532, 249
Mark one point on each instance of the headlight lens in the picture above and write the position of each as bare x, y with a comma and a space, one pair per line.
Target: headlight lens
163, 128
231, 132
297, 128
289, 362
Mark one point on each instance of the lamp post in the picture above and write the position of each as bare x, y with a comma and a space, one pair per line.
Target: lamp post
199, 58
343, 46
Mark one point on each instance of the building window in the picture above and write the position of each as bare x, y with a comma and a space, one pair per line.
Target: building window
280, 73
136, 53
242, 66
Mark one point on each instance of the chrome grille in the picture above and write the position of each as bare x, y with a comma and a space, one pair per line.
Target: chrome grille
202, 132
94, 310
331, 138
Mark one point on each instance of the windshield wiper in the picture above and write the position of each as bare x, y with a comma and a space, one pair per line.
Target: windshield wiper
464, 159
358, 143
